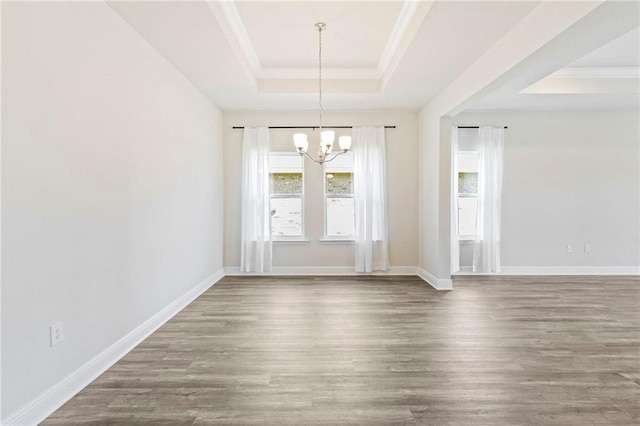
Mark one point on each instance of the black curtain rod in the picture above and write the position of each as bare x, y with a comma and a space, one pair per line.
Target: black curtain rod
312, 127
473, 127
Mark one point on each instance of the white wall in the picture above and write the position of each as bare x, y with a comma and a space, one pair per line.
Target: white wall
569, 178
402, 176
434, 227
428, 244
111, 188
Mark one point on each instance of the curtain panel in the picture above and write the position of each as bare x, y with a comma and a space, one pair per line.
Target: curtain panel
256, 249
370, 191
486, 249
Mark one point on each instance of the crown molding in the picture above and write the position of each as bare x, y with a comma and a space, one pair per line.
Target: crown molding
409, 21
588, 81
312, 73
306, 85
596, 72
236, 34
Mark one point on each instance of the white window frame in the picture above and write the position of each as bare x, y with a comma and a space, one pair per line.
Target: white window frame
287, 238
336, 238
466, 237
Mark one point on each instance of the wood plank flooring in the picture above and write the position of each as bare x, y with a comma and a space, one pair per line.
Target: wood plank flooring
383, 351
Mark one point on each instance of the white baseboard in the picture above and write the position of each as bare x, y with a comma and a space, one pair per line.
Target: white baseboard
321, 270
558, 270
52, 399
570, 270
437, 283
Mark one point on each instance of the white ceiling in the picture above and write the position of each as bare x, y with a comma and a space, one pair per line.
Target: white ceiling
287, 39
376, 55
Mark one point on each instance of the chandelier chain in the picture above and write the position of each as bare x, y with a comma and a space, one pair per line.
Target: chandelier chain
320, 28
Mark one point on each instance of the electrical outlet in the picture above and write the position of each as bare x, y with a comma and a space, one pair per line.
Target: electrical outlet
57, 333
569, 248
587, 248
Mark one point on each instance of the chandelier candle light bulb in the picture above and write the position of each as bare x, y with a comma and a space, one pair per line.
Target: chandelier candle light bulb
345, 143
301, 142
327, 138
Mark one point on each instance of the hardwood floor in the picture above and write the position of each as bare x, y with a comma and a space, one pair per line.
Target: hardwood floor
383, 351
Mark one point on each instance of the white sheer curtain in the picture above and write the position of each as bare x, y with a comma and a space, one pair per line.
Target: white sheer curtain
370, 193
486, 250
255, 233
455, 242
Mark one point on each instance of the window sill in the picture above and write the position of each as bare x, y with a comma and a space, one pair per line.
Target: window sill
330, 240
291, 241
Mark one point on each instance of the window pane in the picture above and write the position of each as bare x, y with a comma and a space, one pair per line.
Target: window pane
467, 207
467, 183
340, 217
286, 217
285, 183
339, 183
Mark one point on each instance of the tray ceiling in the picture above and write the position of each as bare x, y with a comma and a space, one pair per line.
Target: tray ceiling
376, 54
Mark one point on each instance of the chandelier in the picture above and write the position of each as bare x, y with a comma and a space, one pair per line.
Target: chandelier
326, 136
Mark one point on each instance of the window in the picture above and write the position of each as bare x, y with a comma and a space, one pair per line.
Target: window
467, 194
286, 191
339, 206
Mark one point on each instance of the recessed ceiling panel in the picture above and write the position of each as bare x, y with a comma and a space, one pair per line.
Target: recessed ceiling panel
283, 34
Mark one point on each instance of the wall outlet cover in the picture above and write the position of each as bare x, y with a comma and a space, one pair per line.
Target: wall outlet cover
57, 333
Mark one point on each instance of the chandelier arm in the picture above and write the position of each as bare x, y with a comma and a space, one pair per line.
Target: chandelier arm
334, 157
323, 159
